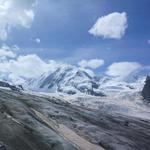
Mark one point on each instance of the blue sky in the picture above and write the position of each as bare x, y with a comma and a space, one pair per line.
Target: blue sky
62, 27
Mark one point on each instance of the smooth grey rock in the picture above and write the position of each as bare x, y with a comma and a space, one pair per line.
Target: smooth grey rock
111, 131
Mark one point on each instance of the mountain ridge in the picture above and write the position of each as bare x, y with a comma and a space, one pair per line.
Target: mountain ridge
69, 79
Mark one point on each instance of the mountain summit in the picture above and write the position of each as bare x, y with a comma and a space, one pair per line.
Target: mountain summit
67, 79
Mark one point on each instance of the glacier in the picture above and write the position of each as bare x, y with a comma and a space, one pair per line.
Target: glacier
83, 87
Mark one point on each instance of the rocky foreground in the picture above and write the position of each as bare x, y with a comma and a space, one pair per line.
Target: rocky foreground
29, 122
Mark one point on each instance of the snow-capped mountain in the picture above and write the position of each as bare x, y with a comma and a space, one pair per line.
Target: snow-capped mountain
67, 79
134, 81
72, 80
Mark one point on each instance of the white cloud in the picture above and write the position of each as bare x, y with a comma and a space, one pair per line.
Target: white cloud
6, 51
15, 13
122, 69
93, 63
37, 40
111, 26
32, 66
25, 67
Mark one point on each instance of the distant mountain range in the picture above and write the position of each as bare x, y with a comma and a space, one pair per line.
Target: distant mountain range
74, 80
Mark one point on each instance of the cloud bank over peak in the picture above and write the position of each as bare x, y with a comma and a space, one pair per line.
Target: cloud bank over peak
122, 69
18, 68
111, 26
27, 66
92, 63
14, 13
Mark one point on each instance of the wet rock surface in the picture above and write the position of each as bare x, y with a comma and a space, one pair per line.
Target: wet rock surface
21, 129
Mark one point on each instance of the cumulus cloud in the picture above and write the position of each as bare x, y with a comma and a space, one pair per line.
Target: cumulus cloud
5, 51
31, 66
122, 69
112, 26
93, 63
15, 13
26, 66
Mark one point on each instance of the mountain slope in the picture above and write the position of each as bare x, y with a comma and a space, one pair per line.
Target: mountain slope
67, 79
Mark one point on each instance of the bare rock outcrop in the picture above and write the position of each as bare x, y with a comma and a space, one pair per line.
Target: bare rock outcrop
146, 89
